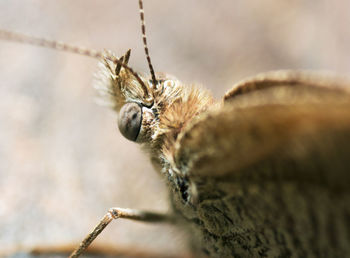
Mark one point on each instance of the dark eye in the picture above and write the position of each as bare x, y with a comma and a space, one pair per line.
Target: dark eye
129, 120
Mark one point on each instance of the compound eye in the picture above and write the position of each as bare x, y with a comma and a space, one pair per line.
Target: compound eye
129, 121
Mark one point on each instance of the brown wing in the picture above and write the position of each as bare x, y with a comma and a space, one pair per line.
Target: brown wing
269, 172
307, 124
287, 78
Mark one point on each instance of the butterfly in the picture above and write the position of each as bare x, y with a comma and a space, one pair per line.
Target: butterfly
262, 172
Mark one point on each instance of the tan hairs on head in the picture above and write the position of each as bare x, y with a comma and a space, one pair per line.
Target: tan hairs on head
144, 38
121, 63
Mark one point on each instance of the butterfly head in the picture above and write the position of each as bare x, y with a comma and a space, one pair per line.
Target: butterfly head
138, 100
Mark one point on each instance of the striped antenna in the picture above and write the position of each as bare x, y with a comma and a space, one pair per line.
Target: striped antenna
144, 38
26, 39
60, 46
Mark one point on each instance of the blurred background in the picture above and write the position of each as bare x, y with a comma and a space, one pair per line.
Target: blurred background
63, 162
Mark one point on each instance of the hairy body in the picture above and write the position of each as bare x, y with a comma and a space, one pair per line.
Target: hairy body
262, 173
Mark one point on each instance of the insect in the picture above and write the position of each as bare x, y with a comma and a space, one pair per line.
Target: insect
188, 191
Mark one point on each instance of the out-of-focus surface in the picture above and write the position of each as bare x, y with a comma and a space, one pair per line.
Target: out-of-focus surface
62, 161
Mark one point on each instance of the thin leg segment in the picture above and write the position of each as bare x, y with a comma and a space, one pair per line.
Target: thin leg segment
116, 213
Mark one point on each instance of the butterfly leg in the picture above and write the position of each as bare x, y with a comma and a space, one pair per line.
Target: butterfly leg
116, 213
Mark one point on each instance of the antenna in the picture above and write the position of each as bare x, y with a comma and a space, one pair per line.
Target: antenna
144, 38
42, 42
60, 46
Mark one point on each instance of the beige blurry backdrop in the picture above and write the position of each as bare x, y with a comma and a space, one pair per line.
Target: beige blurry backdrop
62, 161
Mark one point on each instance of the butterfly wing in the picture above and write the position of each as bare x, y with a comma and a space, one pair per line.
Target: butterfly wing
261, 117
271, 169
291, 79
